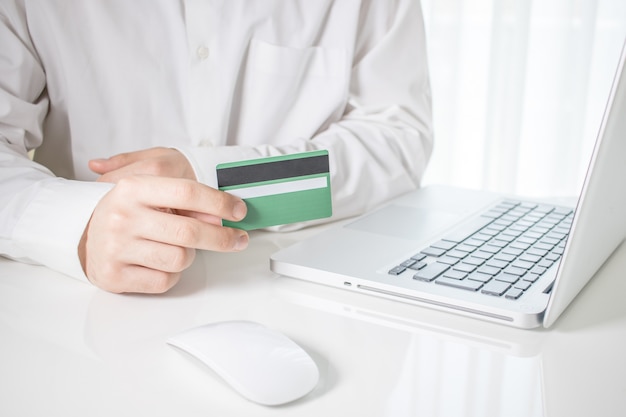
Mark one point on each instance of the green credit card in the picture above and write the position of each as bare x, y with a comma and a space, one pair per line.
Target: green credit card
279, 190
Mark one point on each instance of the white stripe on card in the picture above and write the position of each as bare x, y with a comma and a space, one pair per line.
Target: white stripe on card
280, 188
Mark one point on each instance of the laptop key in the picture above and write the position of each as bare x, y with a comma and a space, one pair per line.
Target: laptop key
513, 294
482, 254
513, 270
454, 274
539, 270
530, 277
457, 254
473, 260
527, 204
545, 263
448, 260
431, 271
537, 252
496, 263
418, 265
442, 244
504, 257
523, 285
490, 270
558, 251
496, 288
418, 256
464, 284
464, 267
473, 242
397, 270
562, 211
490, 249
465, 248
512, 251
508, 278
522, 264
432, 251
553, 257
530, 258
479, 276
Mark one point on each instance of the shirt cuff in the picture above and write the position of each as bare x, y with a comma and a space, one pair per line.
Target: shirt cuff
52, 225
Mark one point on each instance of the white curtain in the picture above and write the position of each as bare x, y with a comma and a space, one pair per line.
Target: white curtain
519, 89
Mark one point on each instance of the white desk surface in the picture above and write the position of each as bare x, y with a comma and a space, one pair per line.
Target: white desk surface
69, 349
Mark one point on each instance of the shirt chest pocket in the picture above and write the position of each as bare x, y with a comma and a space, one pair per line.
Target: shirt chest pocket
289, 93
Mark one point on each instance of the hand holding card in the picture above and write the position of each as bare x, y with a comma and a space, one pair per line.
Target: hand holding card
279, 190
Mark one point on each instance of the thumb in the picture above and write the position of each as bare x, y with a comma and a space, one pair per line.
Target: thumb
102, 166
99, 166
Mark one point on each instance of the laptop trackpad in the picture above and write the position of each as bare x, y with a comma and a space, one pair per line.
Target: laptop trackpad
406, 222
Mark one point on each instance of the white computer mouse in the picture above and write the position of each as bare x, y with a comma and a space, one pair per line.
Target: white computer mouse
263, 365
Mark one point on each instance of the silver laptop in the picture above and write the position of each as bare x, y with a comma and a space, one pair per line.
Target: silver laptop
479, 254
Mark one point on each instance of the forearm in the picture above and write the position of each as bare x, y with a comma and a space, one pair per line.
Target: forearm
42, 216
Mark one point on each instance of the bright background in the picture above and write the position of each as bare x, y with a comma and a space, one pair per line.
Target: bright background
519, 89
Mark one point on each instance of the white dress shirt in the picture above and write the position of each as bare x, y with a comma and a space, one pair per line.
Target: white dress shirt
218, 80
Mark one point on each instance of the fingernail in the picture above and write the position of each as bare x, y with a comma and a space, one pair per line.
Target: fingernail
239, 210
242, 242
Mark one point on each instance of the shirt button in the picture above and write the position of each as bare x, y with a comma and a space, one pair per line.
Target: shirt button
202, 52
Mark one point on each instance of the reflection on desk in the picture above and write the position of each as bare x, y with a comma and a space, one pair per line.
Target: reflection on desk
69, 349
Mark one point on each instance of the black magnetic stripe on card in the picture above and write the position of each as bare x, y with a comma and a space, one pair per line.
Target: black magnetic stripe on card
267, 171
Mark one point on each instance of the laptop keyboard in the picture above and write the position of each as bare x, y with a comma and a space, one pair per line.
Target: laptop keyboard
501, 253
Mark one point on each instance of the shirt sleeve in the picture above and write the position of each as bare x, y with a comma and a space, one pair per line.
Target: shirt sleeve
380, 146
42, 217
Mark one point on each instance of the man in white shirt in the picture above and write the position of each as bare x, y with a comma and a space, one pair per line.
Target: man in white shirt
129, 106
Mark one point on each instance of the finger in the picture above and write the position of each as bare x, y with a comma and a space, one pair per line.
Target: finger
115, 175
188, 232
102, 166
159, 256
181, 194
203, 217
119, 166
99, 166
139, 279
159, 161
